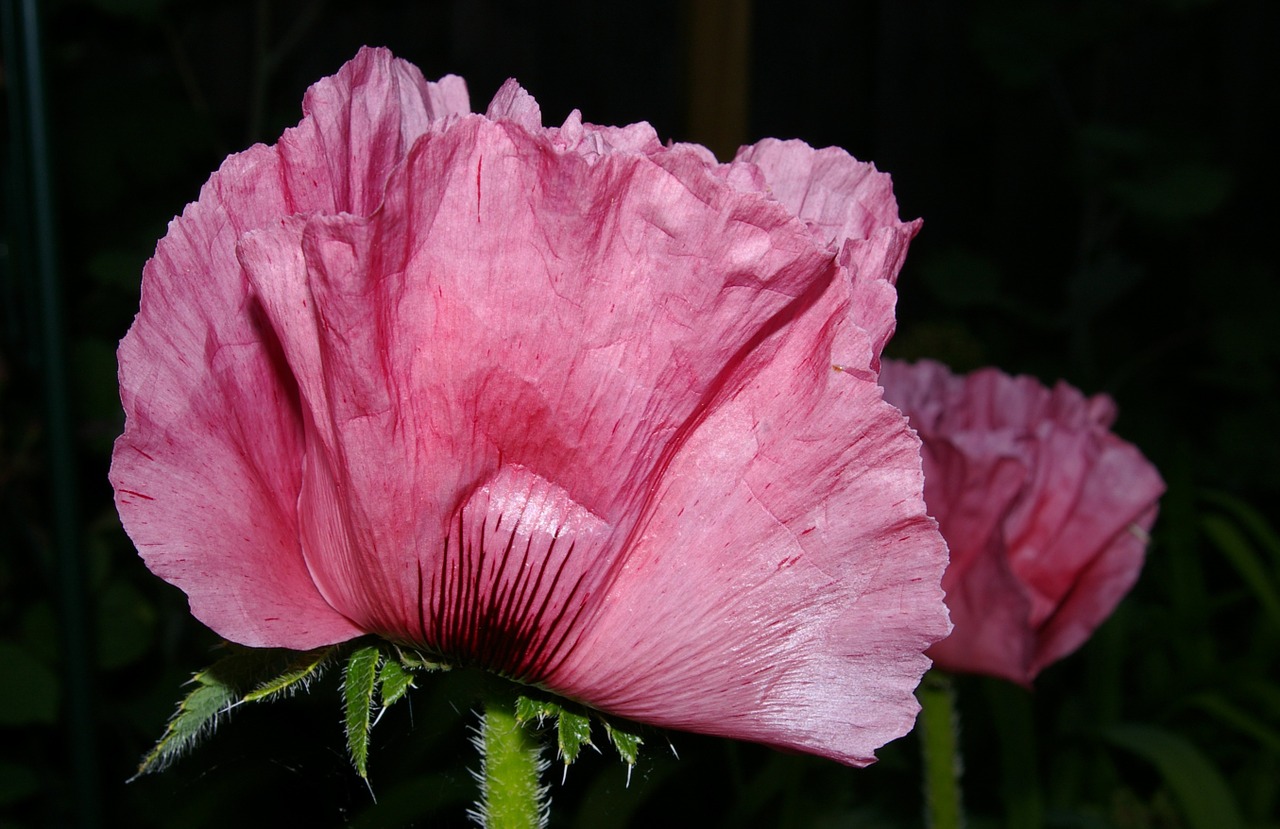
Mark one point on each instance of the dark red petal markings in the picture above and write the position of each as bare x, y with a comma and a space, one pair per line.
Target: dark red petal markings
519, 565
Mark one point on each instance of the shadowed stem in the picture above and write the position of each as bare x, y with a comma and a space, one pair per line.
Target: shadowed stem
512, 796
939, 742
1019, 778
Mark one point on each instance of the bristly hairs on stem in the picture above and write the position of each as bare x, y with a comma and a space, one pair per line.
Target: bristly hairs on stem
483, 737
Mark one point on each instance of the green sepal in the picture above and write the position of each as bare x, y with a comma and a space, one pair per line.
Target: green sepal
258, 674
196, 716
573, 728
302, 669
529, 710
376, 674
572, 733
359, 682
244, 675
393, 682
627, 744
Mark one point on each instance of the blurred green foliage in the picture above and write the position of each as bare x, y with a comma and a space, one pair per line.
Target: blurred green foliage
1098, 194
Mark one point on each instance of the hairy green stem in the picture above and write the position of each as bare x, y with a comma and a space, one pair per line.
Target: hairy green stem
939, 741
512, 796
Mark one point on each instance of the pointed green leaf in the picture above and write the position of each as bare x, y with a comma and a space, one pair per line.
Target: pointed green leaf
357, 691
196, 716
572, 732
393, 682
222, 686
536, 711
627, 744
301, 669
243, 675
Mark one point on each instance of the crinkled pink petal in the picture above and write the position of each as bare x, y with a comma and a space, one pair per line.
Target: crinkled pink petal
781, 589
427, 355
207, 472
592, 140
1046, 512
840, 197
1099, 587
971, 481
358, 126
849, 205
593, 413
513, 103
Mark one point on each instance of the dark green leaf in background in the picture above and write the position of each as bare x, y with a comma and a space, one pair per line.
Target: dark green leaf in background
29, 690
1205, 798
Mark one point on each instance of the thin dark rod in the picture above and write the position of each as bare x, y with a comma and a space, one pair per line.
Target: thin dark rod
77, 657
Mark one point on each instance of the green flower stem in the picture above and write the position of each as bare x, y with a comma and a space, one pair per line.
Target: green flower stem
512, 795
939, 740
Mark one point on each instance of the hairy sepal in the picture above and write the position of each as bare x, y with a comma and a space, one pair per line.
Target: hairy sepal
383, 675
376, 676
573, 728
360, 681
244, 675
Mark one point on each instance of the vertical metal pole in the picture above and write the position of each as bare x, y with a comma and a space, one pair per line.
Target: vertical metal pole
23, 43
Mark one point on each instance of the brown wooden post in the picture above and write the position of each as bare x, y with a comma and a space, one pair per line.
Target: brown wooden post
719, 41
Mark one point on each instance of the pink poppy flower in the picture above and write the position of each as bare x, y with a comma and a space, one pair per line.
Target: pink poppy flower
595, 413
1046, 512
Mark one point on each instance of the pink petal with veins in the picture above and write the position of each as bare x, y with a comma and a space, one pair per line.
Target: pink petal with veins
1045, 510
590, 412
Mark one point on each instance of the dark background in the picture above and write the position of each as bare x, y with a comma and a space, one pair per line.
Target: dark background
1098, 192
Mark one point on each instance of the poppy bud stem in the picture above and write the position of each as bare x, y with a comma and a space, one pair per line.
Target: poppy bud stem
512, 796
939, 729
